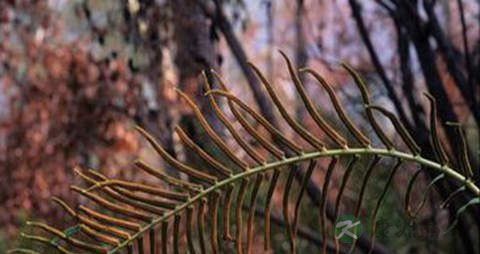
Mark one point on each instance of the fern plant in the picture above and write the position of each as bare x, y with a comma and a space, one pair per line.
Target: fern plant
123, 212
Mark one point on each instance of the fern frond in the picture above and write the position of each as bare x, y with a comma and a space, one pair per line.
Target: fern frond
121, 212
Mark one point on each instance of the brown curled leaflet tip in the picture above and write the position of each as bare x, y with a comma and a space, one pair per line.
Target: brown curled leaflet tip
212, 134
99, 236
434, 138
65, 206
75, 242
175, 163
366, 101
261, 120
406, 137
88, 179
241, 119
228, 124
219, 167
133, 226
307, 101
268, 207
189, 229
463, 150
251, 212
111, 206
191, 187
351, 126
306, 135
91, 223
97, 174
222, 83
40, 239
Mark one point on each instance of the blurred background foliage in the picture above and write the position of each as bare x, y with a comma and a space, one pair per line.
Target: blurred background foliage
76, 76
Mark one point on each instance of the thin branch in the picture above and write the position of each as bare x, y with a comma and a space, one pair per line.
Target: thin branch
357, 15
301, 54
408, 81
270, 12
219, 17
449, 56
466, 48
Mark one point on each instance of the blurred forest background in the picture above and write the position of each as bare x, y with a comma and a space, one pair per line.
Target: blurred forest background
76, 76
